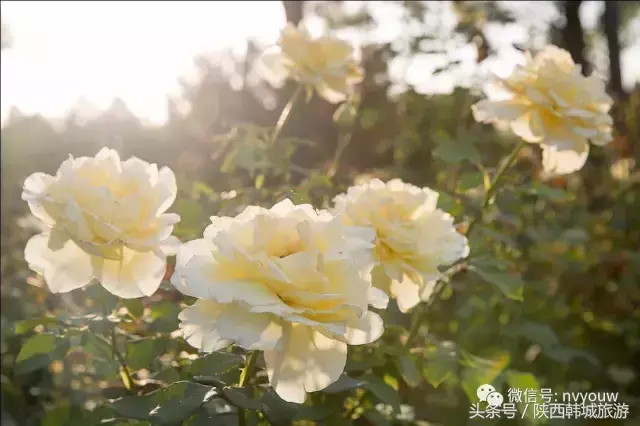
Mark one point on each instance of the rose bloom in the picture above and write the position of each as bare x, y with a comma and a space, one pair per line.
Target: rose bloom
290, 281
413, 239
325, 63
106, 220
548, 101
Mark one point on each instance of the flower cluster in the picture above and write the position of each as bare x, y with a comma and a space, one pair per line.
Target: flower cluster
548, 101
297, 283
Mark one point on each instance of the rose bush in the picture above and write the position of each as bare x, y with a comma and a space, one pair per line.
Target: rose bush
364, 310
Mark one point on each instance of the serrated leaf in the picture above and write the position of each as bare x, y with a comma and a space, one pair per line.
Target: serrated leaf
278, 411
409, 371
241, 397
541, 334
440, 363
480, 371
56, 417
509, 284
344, 383
382, 391
376, 418
37, 344
39, 351
178, 401
26, 326
522, 381
134, 307
142, 353
136, 407
215, 363
454, 151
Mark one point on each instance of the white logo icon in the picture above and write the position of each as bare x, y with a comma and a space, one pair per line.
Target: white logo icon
488, 393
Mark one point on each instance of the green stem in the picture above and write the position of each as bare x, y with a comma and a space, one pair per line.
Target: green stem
285, 114
415, 326
124, 370
248, 368
494, 185
246, 374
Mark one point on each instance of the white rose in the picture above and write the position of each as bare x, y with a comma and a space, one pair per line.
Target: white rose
325, 63
106, 221
550, 102
413, 239
290, 281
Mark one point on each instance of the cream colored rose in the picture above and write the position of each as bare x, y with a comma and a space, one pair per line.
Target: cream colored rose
548, 101
325, 63
413, 239
106, 220
290, 281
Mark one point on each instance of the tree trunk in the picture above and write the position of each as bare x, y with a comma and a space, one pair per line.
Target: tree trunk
611, 26
293, 11
573, 34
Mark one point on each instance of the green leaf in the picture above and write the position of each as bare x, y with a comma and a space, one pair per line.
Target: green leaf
480, 371
522, 381
56, 417
409, 371
214, 412
541, 334
177, 402
215, 363
278, 411
382, 391
509, 284
26, 326
37, 344
454, 151
241, 397
142, 353
344, 383
134, 307
440, 363
543, 191
39, 351
315, 413
377, 418
567, 355
136, 407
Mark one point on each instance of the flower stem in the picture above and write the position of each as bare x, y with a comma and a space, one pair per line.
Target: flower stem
415, 326
494, 185
248, 368
244, 380
285, 114
124, 370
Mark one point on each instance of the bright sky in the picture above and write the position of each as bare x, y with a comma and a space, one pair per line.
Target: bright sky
62, 51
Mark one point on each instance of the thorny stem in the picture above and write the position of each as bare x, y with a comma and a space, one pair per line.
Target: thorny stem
244, 379
285, 114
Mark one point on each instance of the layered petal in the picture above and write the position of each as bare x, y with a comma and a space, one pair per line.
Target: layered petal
198, 323
63, 264
307, 361
137, 274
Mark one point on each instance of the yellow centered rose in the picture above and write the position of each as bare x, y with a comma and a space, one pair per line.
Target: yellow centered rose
548, 101
290, 281
326, 63
106, 221
413, 239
